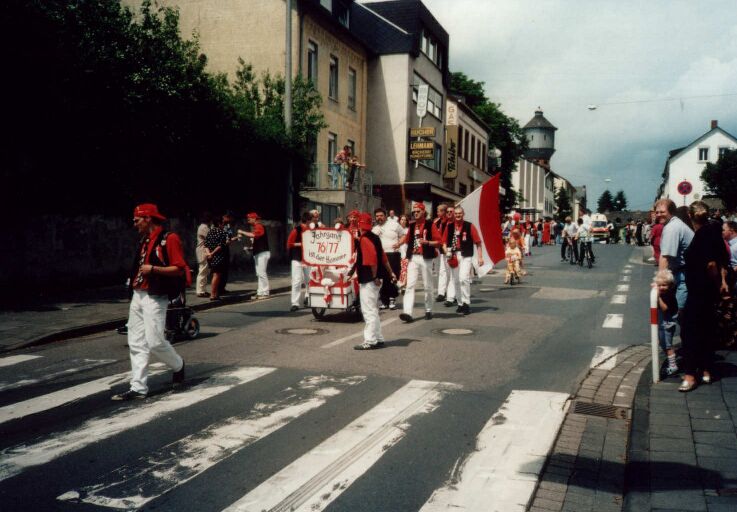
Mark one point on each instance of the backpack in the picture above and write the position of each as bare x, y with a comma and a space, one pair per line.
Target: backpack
183, 282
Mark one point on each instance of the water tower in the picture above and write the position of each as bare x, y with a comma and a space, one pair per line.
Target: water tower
540, 134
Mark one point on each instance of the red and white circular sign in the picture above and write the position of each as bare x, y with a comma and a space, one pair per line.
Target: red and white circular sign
685, 188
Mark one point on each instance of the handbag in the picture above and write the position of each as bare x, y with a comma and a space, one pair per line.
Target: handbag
453, 261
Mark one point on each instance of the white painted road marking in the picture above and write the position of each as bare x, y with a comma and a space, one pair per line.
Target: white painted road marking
16, 459
11, 360
339, 341
619, 299
314, 480
130, 487
549, 293
628, 266
623, 287
64, 396
627, 271
87, 364
613, 321
502, 473
605, 358
625, 279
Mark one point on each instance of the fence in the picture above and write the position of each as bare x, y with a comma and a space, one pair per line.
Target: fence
327, 176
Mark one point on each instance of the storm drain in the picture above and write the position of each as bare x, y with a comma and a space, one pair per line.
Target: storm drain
601, 410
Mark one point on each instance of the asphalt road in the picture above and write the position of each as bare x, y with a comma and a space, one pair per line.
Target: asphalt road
272, 420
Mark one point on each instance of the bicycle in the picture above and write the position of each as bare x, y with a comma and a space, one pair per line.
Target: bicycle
587, 253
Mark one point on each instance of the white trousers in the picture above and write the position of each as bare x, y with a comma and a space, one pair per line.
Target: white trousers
262, 260
370, 310
445, 283
146, 324
462, 278
418, 265
203, 271
300, 274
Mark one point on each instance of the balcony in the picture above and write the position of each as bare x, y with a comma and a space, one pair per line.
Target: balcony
326, 183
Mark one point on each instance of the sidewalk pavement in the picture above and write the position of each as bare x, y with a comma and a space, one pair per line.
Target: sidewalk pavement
627, 444
82, 312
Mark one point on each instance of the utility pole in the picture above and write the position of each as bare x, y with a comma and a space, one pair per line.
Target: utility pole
288, 110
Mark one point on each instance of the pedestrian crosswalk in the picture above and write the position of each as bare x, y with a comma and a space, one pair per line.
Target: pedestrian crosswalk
237, 409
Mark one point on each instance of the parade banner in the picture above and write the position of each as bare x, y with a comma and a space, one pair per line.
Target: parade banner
481, 208
325, 246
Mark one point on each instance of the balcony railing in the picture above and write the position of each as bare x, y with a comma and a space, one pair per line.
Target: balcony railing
325, 176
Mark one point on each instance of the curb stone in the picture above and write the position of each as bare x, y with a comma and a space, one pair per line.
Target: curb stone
585, 470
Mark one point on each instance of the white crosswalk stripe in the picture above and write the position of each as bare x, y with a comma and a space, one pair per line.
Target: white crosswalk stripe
11, 360
320, 476
130, 487
16, 459
50, 373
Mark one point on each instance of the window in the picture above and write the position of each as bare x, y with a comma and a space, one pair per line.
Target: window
434, 164
343, 13
483, 157
473, 150
327, 4
478, 153
462, 189
312, 62
333, 82
434, 98
332, 146
430, 47
351, 88
722, 151
465, 146
460, 141
703, 154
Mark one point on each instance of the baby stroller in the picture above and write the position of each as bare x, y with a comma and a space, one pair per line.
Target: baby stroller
180, 320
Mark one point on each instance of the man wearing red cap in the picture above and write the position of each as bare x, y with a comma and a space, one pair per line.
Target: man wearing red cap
155, 278
371, 266
460, 239
422, 238
261, 252
300, 271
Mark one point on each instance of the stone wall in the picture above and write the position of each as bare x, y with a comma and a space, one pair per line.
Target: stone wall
54, 252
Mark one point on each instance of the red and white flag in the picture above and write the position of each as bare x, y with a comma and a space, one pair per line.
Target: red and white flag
481, 209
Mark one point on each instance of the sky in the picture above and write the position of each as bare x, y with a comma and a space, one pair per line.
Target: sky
646, 65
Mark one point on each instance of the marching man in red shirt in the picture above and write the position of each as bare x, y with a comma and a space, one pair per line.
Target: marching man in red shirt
154, 280
300, 272
261, 253
371, 266
422, 238
460, 239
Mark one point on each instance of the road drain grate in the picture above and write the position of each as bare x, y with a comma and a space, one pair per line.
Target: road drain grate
601, 410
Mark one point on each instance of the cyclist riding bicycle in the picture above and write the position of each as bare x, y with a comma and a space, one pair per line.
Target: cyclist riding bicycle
569, 250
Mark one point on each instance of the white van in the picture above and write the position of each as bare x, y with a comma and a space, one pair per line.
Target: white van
599, 228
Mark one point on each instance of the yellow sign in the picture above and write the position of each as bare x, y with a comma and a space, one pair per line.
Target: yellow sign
422, 132
421, 150
422, 144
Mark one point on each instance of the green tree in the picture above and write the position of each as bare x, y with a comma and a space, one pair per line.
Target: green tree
562, 204
604, 204
505, 132
620, 201
720, 179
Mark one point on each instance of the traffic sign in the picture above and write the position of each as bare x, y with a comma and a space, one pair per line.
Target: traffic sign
685, 188
422, 93
428, 131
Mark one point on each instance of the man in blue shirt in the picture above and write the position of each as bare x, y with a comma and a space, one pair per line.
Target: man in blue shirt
729, 233
675, 240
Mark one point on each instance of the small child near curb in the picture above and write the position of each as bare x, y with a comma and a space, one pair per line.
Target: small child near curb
513, 255
667, 316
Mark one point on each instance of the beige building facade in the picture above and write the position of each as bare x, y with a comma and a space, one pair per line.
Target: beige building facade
323, 49
466, 138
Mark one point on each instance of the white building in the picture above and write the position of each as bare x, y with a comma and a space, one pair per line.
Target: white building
686, 164
535, 183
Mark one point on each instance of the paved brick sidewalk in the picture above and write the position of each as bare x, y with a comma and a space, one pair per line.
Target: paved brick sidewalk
586, 468
99, 309
683, 454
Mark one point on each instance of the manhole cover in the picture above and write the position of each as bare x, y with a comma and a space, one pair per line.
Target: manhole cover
455, 332
302, 331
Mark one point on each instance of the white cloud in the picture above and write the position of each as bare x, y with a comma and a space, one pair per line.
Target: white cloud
563, 55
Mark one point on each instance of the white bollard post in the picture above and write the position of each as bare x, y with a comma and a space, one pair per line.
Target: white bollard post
654, 344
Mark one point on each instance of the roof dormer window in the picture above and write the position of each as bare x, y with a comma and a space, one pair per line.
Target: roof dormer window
430, 47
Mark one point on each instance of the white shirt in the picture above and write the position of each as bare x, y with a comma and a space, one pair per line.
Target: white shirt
586, 221
571, 229
390, 232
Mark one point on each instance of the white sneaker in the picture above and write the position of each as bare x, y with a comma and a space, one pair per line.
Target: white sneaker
392, 304
382, 305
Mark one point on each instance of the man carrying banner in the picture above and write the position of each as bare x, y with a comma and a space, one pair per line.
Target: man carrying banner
461, 237
422, 239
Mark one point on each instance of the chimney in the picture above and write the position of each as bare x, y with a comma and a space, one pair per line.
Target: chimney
714, 123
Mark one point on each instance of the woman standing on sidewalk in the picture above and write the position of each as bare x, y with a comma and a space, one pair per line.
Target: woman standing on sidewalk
706, 262
217, 254
203, 269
